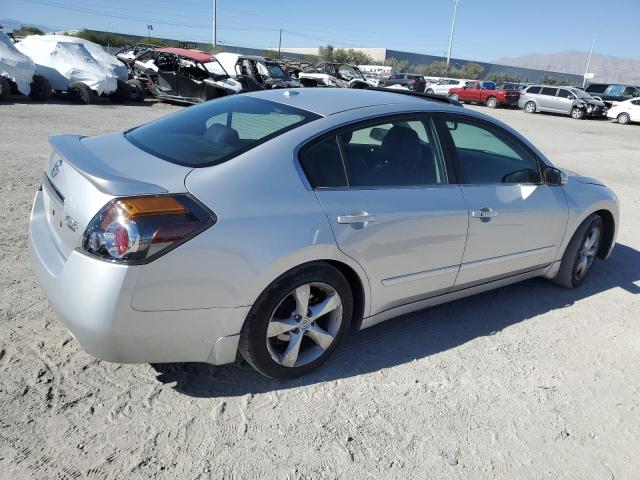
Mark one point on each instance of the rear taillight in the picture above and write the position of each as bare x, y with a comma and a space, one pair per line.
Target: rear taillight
140, 229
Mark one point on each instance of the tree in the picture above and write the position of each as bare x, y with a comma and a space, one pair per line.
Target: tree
25, 31
547, 79
471, 70
326, 54
504, 77
270, 54
399, 65
358, 57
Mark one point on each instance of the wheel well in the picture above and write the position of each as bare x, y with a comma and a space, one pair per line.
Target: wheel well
609, 229
356, 288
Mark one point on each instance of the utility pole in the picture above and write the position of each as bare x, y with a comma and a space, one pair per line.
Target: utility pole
593, 42
280, 44
453, 27
214, 26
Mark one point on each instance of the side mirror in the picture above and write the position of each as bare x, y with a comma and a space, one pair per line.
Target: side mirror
377, 133
554, 176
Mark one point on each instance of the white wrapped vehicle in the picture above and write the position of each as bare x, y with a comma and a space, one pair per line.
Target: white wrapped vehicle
17, 73
70, 66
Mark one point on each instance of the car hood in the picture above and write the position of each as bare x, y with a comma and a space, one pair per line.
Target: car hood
576, 177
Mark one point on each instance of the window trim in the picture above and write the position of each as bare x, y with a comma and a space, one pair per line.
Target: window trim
450, 148
449, 172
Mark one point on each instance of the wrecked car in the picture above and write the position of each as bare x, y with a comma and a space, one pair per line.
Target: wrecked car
70, 67
183, 76
255, 72
340, 75
18, 73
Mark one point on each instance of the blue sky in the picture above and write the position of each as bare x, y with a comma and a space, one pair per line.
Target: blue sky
485, 30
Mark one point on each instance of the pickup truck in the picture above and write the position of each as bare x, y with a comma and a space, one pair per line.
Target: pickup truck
485, 92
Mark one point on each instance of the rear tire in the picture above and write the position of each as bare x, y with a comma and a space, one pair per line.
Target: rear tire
121, 94
581, 253
454, 96
81, 92
136, 91
530, 107
269, 351
624, 118
41, 89
5, 87
430, 91
492, 102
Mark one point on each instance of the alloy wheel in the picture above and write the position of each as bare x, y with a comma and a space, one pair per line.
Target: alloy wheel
623, 118
304, 324
587, 253
531, 107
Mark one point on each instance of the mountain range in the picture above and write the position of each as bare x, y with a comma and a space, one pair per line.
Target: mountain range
607, 68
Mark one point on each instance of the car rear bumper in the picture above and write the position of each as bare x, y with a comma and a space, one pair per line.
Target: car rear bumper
93, 299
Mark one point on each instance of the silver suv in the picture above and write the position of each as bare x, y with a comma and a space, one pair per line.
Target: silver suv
568, 100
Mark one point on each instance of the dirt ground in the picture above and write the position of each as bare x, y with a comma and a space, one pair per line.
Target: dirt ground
527, 382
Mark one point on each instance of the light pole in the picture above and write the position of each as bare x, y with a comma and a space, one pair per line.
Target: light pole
149, 28
586, 72
453, 27
214, 26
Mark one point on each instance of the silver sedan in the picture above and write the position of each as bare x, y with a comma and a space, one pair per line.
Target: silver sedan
270, 224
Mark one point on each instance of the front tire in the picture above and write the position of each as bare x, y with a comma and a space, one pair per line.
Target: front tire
137, 91
577, 113
5, 87
581, 253
81, 92
297, 322
430, 91
624, 118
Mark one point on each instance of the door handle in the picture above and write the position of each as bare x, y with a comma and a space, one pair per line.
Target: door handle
357, 218
484, 212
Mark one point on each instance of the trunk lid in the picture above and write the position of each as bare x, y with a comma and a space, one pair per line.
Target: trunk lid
83, 174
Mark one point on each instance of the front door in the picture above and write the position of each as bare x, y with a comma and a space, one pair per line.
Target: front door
391, 207
516, 222
191, 76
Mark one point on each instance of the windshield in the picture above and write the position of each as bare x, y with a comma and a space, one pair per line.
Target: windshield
275, 70
213, 132
349, 72
215, 68
581, 93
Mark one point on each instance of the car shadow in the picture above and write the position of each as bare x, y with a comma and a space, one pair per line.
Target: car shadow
416, 335
63, 99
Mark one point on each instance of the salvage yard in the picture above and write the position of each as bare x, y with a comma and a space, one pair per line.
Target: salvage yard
529, 381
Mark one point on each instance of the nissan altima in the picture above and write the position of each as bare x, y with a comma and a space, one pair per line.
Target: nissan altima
270, 224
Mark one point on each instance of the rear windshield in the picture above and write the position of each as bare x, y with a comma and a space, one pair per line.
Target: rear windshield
215, 131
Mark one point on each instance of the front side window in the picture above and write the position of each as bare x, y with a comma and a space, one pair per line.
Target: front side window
563, 93
213, 132
488, 156
396, 153
215, 68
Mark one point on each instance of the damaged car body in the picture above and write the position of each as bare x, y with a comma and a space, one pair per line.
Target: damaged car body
340, 75
183, 75
256, 72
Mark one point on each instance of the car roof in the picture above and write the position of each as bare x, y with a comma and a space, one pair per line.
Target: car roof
329, 101
196, 55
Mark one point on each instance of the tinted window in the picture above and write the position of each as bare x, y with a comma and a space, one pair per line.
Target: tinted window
213, 132
322, 164
549, 91
398, 153
597, 88
488, 85
636, 102
488, 156
534, 89
630, 91
562, 93
614, 90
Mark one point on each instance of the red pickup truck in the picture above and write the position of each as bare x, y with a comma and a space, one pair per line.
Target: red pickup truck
485, 92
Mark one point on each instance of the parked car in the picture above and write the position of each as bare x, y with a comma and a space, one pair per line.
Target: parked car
485, 93
255, 72
444, 85
567, 100
70, 68
184, 76
626, 112
18, 73
612, 93
271, 223
409, 81
335, 75
511, 86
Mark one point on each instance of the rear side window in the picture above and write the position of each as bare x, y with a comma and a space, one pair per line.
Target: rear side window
534, 89
213, 132
549, 91
322, 164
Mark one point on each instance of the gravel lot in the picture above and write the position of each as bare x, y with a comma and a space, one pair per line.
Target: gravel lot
527, 382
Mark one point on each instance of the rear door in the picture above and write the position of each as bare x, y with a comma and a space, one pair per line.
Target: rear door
384, 187
191, 76
516, 223
547, 99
